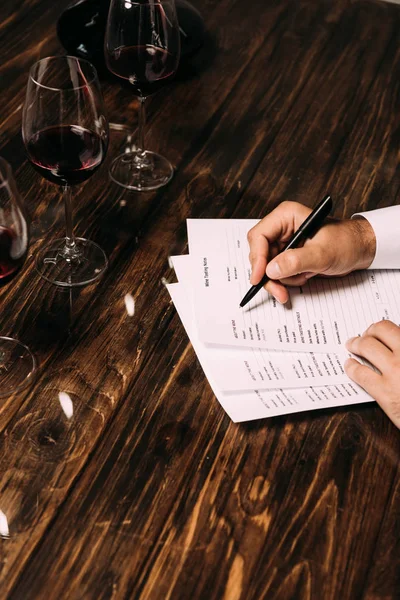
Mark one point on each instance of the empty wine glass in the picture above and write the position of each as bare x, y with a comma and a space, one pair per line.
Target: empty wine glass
17, 363
65, 132
142, 45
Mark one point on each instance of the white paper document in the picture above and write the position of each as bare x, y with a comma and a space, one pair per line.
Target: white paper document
256, 403
320, 317
266, 359
235, 369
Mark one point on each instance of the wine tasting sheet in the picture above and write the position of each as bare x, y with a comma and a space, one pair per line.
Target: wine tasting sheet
321, 315
236, 369
258, 404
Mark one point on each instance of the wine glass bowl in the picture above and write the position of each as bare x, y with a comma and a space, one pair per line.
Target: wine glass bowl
65, 132
14, 237
142, 46
17, 363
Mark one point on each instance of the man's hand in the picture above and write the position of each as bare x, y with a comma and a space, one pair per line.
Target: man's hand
336, 249
380, 345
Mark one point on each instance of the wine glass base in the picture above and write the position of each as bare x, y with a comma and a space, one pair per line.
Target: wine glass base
131, 172
84, 266
17, 366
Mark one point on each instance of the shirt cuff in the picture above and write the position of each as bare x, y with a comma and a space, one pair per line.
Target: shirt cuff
386, 225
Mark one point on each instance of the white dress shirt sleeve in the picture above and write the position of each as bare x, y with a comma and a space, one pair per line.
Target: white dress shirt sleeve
386, 224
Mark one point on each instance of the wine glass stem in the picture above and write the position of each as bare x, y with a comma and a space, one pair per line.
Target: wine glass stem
141, 125
69, 237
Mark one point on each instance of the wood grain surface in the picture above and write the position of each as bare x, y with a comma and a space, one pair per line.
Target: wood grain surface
149, 492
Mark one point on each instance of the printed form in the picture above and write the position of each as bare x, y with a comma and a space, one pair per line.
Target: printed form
320, 317
235, 369
257, 403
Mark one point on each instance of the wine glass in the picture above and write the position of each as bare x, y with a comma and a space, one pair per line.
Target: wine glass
65, 132
17, 363
142, 45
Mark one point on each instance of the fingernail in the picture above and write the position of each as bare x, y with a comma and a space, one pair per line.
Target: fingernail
274, 270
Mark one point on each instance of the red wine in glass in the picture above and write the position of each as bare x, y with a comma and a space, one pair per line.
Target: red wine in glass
11, 258
65, 132
142, 46
17, 363
146, 67
66, 154
81, 30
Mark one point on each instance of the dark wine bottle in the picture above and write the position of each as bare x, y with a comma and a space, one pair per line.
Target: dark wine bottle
81, 29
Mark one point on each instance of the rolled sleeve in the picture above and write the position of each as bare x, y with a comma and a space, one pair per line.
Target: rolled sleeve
386, 224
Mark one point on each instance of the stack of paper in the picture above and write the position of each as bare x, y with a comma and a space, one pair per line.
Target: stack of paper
267, 359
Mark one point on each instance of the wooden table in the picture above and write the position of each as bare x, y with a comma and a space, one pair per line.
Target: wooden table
149, 491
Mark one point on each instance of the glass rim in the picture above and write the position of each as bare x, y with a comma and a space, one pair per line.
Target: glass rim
63, 57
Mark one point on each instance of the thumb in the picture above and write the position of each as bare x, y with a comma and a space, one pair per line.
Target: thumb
294, 262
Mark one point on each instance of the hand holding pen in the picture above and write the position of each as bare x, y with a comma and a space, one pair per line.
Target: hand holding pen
337, 248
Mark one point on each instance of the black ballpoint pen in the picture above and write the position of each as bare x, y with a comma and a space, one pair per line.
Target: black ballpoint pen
306, 230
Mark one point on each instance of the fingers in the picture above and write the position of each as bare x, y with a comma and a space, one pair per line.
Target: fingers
278, 291
258, 266
375, 385
281, 223
336, 249
377, 344
296, 280
259, 250
386, 332
278, 226
380, 344
309, 259
370, 381
371, 349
